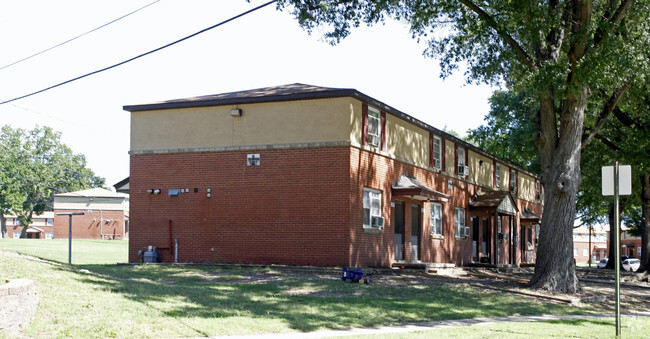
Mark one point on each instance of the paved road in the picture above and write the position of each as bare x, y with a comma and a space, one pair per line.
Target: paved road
431, 325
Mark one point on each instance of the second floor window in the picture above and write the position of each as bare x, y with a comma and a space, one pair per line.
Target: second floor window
461, 162
497, 176
374, 127
437, 153
513, 181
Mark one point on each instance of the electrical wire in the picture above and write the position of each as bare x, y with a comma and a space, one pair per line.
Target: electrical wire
76, 37
141, 55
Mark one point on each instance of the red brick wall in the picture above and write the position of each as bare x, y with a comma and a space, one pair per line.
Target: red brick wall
293, 209
301, 206
90, 225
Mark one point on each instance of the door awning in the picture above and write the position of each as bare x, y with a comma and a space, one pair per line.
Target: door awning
34, 230
407, 186
528, 216
499, 201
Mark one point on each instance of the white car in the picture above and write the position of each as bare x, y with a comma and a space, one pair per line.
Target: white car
602, 263
631, 264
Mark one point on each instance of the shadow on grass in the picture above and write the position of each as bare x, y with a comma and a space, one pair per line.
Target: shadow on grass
303, 303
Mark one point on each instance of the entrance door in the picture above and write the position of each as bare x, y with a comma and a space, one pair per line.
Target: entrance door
475, 223
399, 231
416, 229
486, 239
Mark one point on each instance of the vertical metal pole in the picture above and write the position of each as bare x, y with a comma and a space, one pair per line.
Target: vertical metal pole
617, 255
70, 239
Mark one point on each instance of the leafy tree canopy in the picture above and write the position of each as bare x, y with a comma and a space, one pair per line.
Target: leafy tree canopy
34, 165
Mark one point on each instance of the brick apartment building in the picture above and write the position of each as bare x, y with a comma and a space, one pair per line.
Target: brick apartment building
307, 175
41, 227
105, 214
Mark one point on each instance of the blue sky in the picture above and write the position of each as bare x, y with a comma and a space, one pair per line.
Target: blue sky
265, 48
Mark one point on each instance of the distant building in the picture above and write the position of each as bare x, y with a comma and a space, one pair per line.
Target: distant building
42, 226
581, 243
106, 214
630, 245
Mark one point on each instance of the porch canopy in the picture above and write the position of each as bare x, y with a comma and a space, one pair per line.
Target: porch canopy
528, 216
33, 229
501, 201
407, 186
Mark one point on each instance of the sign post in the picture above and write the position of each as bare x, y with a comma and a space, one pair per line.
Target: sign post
70, 214
617, 180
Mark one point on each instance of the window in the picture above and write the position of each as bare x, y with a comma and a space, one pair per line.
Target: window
437, 153
497, 176
435, 219
638, 252
538, 191
374, 127
499, 224
16, 235
49, 222
513, 181
584, 252
575, 252
461, 161
460, 222
371, 206
49, 235
10, 221
537, 232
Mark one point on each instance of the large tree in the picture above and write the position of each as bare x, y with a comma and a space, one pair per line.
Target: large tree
559, 51
34, 165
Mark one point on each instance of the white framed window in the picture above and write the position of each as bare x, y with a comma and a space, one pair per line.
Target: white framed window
16, 235
461, 162
437, 152
638, 252
374, 127
585, 253
371, 206
575, 252
538, 191
435, 219
49, 222
49, 235
513, 181
497, 176
460, 222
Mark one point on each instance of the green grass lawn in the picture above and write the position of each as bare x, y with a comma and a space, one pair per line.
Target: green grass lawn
83, 251
193, 301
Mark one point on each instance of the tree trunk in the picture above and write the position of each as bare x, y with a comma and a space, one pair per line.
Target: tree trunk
645, 222
3, 225
560, 148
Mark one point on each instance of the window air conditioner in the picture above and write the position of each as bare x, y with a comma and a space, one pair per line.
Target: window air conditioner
466, 231
466, 171
378, 222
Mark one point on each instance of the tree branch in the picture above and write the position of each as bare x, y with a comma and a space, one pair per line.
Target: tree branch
523, 56
615, 18
607, 110
607, 142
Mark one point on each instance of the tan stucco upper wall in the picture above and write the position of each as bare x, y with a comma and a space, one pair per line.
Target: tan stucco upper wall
406, 141
450, 157
526, 186
505, 178
482, 173
319, 120
83, 203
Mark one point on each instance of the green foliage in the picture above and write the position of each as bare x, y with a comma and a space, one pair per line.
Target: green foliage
509, 131
34, 165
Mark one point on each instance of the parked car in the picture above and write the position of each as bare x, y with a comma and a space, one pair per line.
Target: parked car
602, 263
631, 264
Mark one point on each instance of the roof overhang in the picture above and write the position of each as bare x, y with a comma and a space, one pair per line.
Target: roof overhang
500, 202
34, 230
528, 216
407, 186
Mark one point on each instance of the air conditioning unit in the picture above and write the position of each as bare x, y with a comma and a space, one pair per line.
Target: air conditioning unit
378, 222
466, 171
466, 231
373, 140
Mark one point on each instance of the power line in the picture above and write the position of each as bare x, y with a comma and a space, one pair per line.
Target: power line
141, 55
76, 37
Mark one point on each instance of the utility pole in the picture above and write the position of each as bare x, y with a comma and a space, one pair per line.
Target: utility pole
70, 214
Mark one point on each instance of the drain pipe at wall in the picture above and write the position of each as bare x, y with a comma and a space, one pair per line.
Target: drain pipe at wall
176, 250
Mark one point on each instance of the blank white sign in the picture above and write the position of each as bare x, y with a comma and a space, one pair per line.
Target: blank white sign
624, 180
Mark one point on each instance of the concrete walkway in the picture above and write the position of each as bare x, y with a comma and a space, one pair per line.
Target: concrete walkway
431, 325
